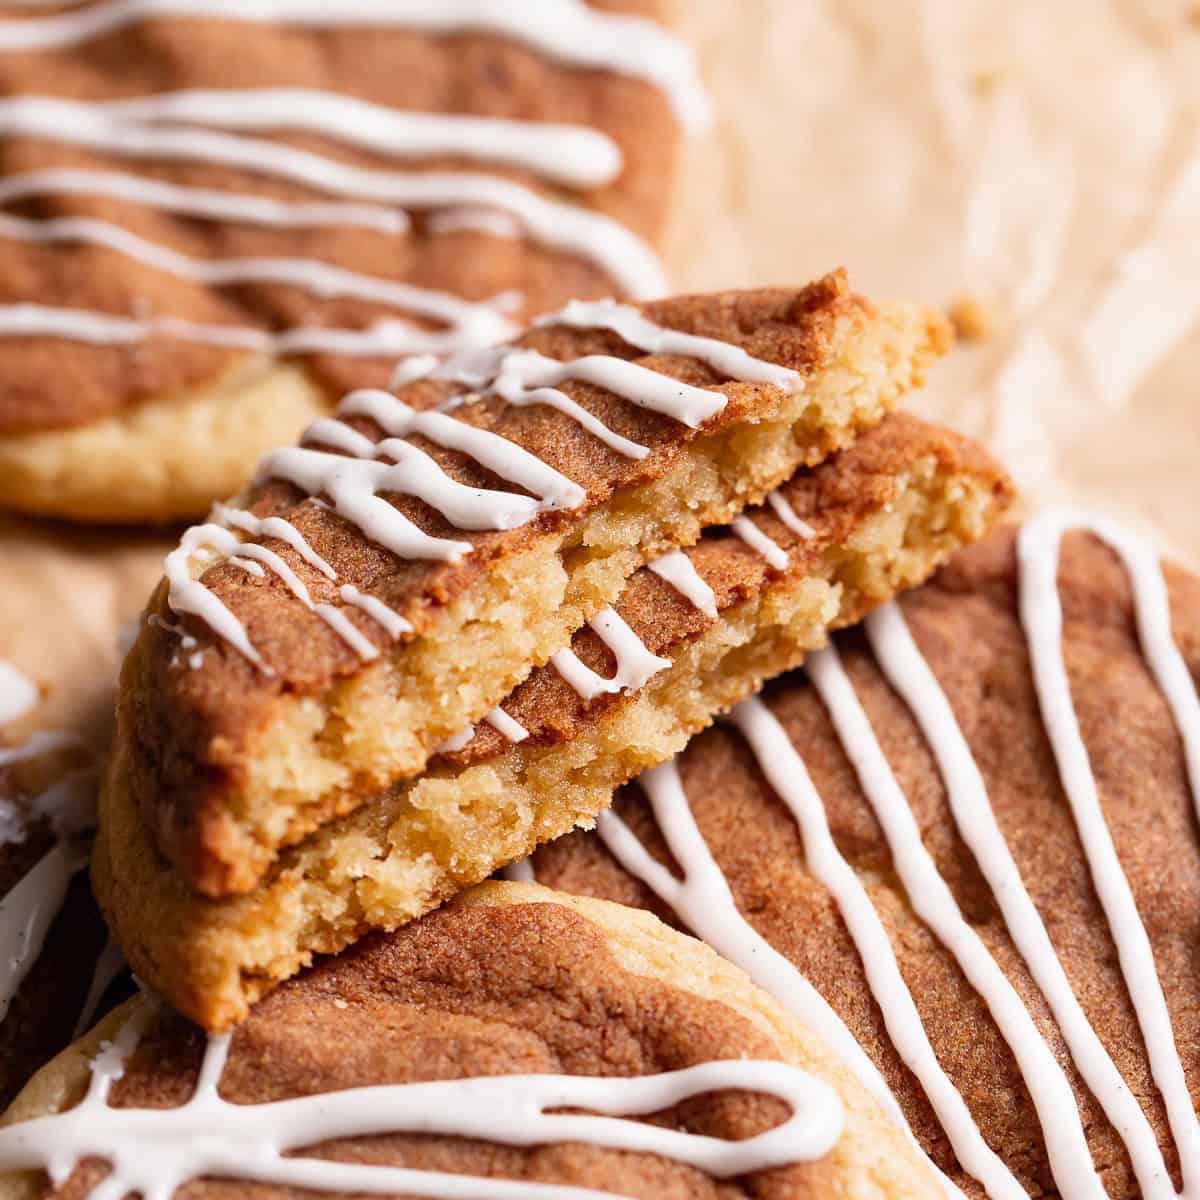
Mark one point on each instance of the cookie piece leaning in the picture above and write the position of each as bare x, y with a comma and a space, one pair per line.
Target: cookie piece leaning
893, 827
441, 1058
690, 635
408, 568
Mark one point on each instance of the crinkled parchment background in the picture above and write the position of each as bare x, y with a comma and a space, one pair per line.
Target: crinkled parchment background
1040, 155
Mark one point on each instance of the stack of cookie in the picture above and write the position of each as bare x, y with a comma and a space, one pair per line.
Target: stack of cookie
445, 746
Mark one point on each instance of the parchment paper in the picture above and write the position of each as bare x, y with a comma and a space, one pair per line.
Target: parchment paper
1043, 158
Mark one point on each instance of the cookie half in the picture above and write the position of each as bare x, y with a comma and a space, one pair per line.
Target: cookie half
449, 1050
396, 576
215, 225
971, 830
690, 636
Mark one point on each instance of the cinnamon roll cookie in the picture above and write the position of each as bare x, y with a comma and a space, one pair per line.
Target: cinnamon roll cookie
391, 580
964, 844
218, 218
691, 634
518, 1043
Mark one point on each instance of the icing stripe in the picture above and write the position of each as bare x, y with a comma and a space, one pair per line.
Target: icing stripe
38, 743
392, 622
273, 527
258, 1142
411, 472
347, 631
635, 329
758, 541
787, 514
17, 694
788, 775
525, 376
188, 595
206, 203
932, 900
636, 666
500, 456
310, 275
569, 155
680, 572
567, 30
1042, 618
28, 912
703, 901
579, 231
382, 339
910, 675
506, 726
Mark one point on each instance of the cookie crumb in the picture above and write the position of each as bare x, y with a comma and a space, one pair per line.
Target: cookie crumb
973, 318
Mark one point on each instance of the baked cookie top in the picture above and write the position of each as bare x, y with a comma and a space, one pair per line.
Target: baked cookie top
409, 566
1027, 944
349, 184
451, 1049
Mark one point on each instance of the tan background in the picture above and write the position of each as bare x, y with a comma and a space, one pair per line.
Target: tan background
1042, 155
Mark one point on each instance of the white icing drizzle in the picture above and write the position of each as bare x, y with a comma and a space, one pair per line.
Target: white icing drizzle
251, 568
506, 726
208, 1136
352, 485
38, 743
569, 155
500, 456
527, 377
677, 569
566, 30
392, 622
204, 203
467, 219
17, 694
908, 672
457, 742
188, 595
347, 631
787, 514
703, 901
787, 774
273, 527
1042, 618
385, 338
934, 903
632, 327
573, 229
760, 543
636, 666
28, 911
109, 965
308, 274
